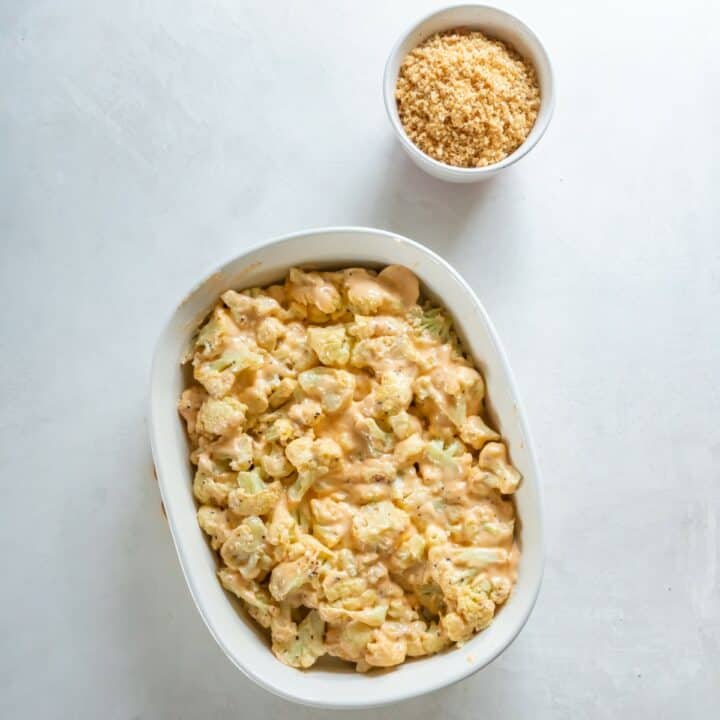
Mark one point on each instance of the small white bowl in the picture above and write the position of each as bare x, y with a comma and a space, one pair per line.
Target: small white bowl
327, 685
499, 25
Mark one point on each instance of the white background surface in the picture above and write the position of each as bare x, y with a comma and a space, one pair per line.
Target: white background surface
143, 142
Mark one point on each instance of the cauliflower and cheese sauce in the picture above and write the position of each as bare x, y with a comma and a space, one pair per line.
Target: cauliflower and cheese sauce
359, 503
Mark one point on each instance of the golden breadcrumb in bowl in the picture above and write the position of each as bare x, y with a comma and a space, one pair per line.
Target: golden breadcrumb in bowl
469, 91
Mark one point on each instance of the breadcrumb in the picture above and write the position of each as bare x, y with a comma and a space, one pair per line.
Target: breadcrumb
466, 100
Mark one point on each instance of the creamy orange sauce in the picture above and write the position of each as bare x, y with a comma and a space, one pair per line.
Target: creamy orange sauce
357, 498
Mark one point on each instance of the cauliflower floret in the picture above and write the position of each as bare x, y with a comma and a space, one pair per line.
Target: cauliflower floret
377, 440
348, 641
256, 388
371, 616
306, 544
498, 472
404, 425
392, 291
218, 376
409, 450
237, 449
387, 647
400, 610
215, 523
481, 526
330, 344
432, 324
476, 608
433, 640
331, 520
386, 353
423, 640
217, 417
499, 531
365, 295
277, 293
307, 412
247, 310
332, 388
288, 577
190, 402
255, 396
280, 430
212, 485
412, 495
430, 401
368, 326
372, 352
453, 391
410, 552
282, 628
304, 648
252, 496
312, 290
293, 350
283, 529
282, 392
442, 463
312, 459
500, 590
302, 484
209, 490
338, 587
476, 433
307, 454
357, 494
466, 589
269, 330
464, 382
394, 392
258, 600
246, 550
273, 460
476, 557
455, 627
454, 493
451, 564
214, 333
377, 526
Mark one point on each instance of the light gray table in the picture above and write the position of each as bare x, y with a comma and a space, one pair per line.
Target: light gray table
142, 142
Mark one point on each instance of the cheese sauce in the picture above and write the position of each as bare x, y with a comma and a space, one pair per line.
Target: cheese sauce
359, 502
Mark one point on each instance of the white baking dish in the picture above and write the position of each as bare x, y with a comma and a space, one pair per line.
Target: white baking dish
337, 686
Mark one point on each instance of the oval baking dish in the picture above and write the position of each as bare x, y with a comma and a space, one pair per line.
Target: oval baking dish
335, 685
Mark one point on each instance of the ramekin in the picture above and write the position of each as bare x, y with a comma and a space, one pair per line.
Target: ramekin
497, 24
